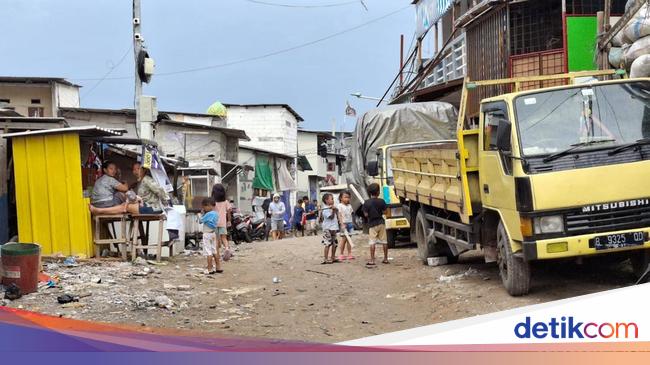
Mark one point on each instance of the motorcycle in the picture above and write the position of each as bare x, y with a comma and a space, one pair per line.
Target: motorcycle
259, 229
240, 230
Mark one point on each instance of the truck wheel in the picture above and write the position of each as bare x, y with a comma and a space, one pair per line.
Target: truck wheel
514, 271
425, 247
640, 260
391, 236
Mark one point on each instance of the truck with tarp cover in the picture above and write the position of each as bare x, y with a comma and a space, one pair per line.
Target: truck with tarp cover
539, 174
376, 133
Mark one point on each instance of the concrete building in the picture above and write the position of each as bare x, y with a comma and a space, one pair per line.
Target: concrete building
38, 96
273, 127
325, 170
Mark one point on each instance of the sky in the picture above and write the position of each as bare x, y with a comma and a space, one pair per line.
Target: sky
85, 40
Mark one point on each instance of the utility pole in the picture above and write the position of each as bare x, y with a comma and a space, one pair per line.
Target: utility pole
137, 47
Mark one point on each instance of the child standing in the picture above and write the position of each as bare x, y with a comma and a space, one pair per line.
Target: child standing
210, 220
374, 209
222, 207
345, 217
297, 218
330, 222
311, 215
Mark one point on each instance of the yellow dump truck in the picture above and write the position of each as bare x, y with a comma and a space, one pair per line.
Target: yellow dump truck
536, 174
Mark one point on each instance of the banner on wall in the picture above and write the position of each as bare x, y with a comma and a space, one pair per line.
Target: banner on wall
151, 161
428, 12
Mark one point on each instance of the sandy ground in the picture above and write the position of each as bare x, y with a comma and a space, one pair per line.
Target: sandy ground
312, 302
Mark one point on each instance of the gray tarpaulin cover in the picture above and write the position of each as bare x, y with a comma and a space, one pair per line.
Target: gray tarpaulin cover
401, 123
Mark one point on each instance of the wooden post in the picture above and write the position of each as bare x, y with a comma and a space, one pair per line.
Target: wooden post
401, 61
419, 45
601, 54
604, 52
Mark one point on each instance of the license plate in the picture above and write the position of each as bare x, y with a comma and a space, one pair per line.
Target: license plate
620, 240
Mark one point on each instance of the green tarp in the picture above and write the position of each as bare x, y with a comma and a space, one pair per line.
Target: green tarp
263, 174
581, 38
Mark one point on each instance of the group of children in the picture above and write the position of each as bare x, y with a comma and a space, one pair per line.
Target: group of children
304, 217
337, 223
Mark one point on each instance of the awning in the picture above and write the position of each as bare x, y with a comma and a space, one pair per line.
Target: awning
86, 131
303, 163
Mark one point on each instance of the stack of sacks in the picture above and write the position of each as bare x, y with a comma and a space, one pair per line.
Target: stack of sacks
631, 47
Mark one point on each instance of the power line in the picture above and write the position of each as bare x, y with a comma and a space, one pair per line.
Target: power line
112, 68
266, 55
306, 6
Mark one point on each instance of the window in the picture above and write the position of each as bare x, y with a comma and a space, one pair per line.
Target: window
35, 112
36, 101
8, 101
493, 114
492, 121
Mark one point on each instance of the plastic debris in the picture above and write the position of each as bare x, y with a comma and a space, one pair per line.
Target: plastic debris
66, 298
12, 292
139, 261
451, 278
70, 261
437, 261
163, 301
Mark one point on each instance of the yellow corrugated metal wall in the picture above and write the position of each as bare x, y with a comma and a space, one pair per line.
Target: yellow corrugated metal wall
49, 194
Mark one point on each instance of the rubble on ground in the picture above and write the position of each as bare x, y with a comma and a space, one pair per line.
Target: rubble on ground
82, 288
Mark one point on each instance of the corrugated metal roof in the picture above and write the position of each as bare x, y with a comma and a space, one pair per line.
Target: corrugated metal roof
261, 150
35, 80
238, 133
85, 131
286, 106
131, 112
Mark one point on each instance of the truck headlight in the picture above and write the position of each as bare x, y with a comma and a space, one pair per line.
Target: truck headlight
549, 224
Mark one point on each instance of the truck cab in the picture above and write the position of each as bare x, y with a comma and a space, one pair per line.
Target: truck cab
566, 170
536, 174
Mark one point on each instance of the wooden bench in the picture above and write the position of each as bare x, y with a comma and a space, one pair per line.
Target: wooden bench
140, 232
108, 221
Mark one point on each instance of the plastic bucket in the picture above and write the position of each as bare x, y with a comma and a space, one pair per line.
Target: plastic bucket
20, 265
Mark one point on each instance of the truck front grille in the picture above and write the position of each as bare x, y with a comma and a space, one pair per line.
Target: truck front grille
578, 222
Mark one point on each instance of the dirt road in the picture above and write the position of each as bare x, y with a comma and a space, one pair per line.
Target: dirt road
313, 302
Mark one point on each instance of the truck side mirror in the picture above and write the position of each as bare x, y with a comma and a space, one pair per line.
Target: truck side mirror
504, 134
372, 168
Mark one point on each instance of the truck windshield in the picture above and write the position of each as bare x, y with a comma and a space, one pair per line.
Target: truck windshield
594, 116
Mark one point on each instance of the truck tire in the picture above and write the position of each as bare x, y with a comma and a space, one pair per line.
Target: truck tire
514, 271
640, 260
391, 236
426, 248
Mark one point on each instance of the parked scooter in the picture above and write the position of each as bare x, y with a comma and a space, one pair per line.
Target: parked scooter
240, 229
259, 229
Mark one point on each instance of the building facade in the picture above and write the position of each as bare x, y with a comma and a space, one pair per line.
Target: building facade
37, 96
323, 152
273, 127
